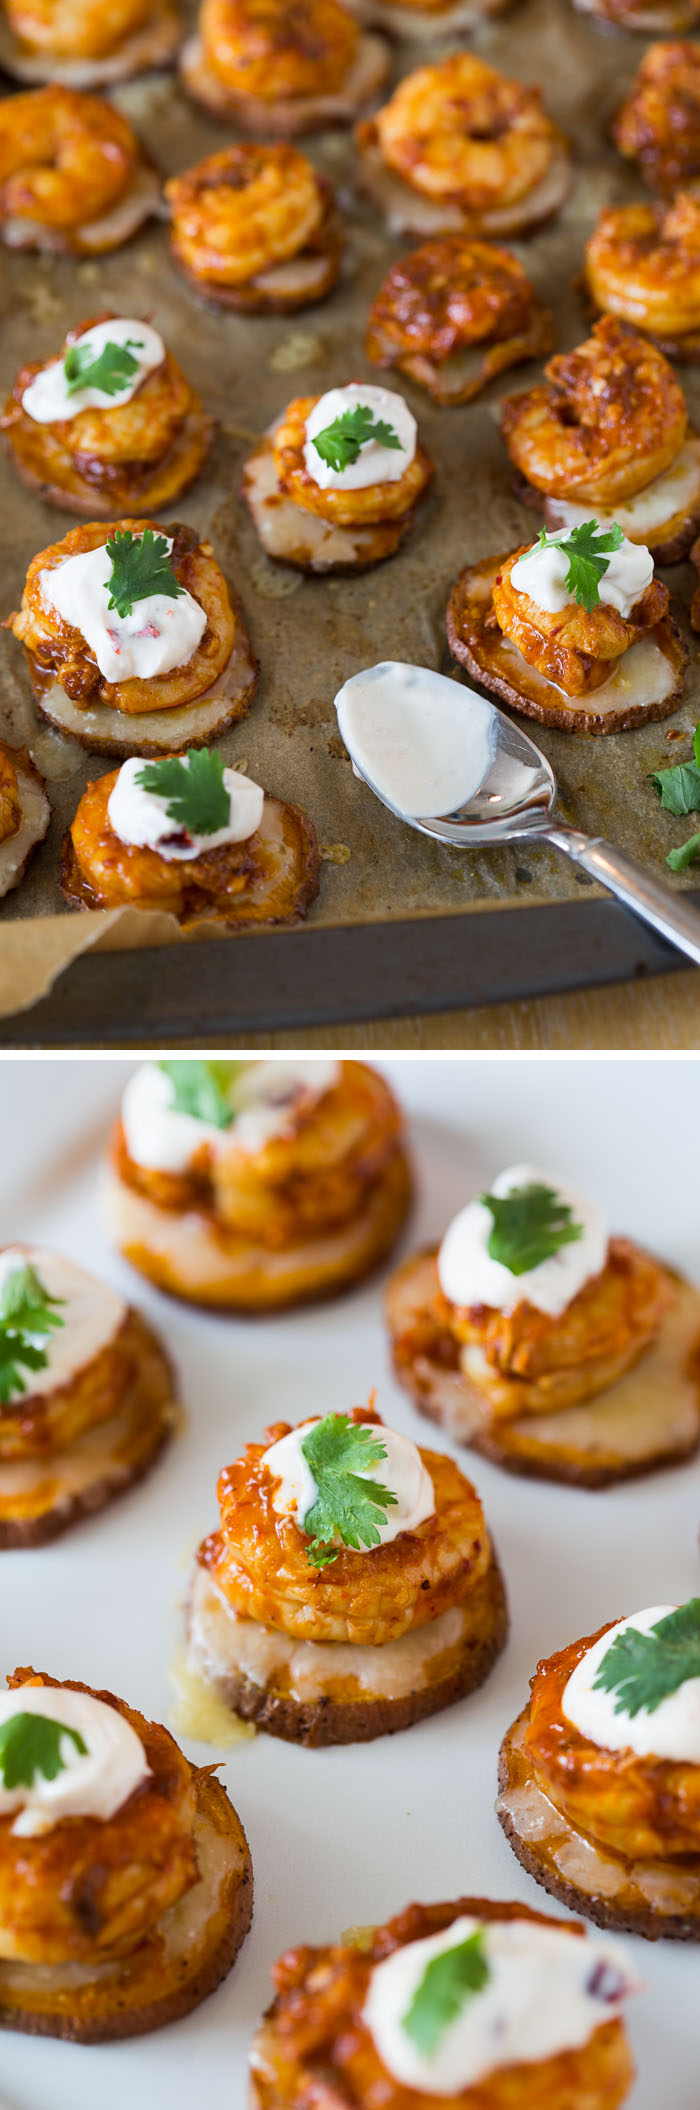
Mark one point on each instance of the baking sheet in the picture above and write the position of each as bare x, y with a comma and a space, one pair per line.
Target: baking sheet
347, 1836
312, 634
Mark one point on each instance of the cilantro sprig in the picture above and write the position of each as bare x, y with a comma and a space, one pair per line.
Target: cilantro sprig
30, 1745
449, 1981
644, 1669
110, 370
588, 549
679, 791
202, 1089
28, 1317
529, 1225
193, 789
140, 566
339, 1452
339, 444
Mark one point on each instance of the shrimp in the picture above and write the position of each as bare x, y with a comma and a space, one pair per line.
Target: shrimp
609, 418
276, 49
351, 508
75, 29
459, 131
642, 264
65, 158
658, 123
243, 210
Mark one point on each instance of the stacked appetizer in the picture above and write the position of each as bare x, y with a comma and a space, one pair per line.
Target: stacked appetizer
544, 1342
642, 263
335, 486
257, 1184
270, 68
25, 814
86, 1395
255, 228
658, 122
455, 313
82, 43
73, 176
126, 1884
482, 2005
461, 149
600, 1775
351, 1589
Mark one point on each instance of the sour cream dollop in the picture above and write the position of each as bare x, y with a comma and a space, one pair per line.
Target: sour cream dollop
423, 743
91, 1312
468, 1274
141, 817
158, 635
541, 573
402, 1470
376, 463
93, 1783
671, 1731
48, 400
547, 1992
265, 1098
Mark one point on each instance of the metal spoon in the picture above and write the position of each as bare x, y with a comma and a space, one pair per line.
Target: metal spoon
517, 801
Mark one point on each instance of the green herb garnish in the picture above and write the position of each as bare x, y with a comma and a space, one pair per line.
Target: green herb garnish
448, 1982
339, 444
110, 370
202, 1089
338, 1452
28, 1316
586, 548
644, 1669
194, 791
140, 566
30, 1744
679, 791
529, 1225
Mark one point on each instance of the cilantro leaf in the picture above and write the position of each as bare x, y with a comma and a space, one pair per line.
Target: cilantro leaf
678, 787
140, 566
111, 370
588, 549
339, 444
30, 1744
644, 1669
193, 788
529, 1225
448, 1982
202, 1089
28, 1316
339, 1452
685, 855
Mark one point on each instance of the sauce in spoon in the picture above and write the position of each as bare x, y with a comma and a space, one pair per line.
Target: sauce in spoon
424, 743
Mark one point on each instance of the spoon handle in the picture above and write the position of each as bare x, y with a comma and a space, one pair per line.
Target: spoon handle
672, 915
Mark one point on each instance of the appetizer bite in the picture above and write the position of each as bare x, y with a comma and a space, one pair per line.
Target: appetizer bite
335, 485
187, 835
82, 43
111, 425
461, 149
552, 1347
269, 67
74, 178
254, 1185
255, 228
642, 263
126, 1885
426, 18
134, 641
86, 1396
474, 2003
24, 814
572, 629
351, 1588
453, 314
658, 123
607, 431
599, 1777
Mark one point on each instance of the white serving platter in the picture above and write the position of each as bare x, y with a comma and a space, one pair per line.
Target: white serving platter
348, 1836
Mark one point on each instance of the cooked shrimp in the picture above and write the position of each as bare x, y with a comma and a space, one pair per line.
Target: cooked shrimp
658, 124
574, 648
609, 418
641, 1807
75, 29
643, 264
243, 210
451, 293
65, 158
275, 49
352, 508
10, 802
461, 132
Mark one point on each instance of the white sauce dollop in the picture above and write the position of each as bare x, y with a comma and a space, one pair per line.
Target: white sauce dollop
542, 570
424, 744
266, 1098
376, 464
468, 1275
47, 399
91, 1784
671, 1731
158, 635
92, 1314
402, 1470
141, 817
548, 1991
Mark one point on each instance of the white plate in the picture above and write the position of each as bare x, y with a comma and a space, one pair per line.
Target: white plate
349, 1836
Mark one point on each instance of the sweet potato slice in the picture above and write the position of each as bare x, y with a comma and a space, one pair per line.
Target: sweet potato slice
18, 849
291, 535
47, 467
106, 731
141, 200
280, 892
155, 44
410, 211
300, 113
